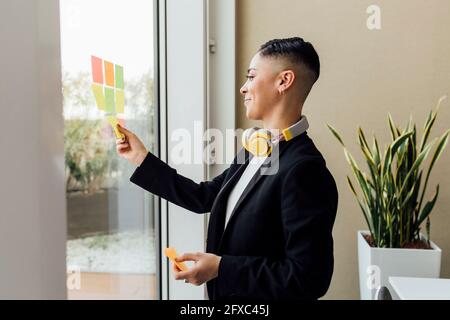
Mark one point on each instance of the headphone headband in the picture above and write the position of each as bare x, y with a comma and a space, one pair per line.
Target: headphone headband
259, 141
296, 129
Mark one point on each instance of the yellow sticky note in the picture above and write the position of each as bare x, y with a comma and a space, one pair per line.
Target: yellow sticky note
172, 255
120, 101
99, 96
113, 122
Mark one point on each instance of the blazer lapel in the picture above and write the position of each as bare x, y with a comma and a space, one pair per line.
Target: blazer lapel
218, 210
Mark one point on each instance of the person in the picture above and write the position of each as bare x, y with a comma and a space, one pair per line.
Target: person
269, 236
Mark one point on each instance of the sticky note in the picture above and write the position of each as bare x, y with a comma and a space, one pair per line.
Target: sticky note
172, 254
97, 69
119, 77
113, 122
109, 73
120, 101
109, 100
99, 96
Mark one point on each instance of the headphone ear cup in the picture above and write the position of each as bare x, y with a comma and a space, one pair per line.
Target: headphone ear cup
260, 143
246, 137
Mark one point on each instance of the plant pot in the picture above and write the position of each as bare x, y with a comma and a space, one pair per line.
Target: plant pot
376, 265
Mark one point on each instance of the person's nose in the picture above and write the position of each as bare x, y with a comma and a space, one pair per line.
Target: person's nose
243, 89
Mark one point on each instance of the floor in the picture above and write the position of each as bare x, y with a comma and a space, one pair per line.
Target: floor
113, 286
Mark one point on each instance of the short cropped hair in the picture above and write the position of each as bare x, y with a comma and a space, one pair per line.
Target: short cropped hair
296, 50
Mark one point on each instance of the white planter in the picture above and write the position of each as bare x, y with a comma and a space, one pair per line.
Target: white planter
376, 265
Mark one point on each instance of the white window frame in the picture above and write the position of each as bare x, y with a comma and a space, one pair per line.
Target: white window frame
208, 25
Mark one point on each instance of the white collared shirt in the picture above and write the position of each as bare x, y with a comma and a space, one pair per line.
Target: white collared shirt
251, 169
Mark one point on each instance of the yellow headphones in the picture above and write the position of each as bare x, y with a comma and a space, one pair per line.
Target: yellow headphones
259, 142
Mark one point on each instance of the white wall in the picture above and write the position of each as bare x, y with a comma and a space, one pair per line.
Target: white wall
32, 199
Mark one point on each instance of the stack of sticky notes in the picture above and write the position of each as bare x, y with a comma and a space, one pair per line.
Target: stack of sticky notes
108, 90
172, 255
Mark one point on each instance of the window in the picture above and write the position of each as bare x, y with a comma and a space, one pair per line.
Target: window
107, 52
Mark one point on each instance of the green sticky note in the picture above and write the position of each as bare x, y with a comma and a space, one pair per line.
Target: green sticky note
119, 77
109, 100
120, 101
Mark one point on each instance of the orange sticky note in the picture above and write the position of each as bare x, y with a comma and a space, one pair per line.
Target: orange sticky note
172, 254
109, 73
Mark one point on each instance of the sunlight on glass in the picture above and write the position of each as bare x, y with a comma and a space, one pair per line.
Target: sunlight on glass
111, 227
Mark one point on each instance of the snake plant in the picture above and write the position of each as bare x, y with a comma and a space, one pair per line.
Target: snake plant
393, 190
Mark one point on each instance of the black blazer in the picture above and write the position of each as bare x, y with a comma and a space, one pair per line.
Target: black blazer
278, 242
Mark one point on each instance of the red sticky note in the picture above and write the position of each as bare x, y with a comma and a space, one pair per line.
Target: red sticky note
97, 69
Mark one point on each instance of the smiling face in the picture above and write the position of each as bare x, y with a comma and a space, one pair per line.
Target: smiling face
261, 91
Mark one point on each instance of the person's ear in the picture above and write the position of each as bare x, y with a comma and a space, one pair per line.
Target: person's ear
286, 79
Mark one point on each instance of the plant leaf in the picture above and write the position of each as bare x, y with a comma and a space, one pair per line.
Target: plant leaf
427, 208
429, 123
366, 213
439, 150
400, 140
336, 134
437, 154
420, 158
359, 177
392, 127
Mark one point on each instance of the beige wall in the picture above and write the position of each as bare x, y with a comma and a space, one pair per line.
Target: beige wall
403, 69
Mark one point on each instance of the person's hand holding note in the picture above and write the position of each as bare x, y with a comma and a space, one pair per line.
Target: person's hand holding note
114, 122
130, 147
172, 255
205, 268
